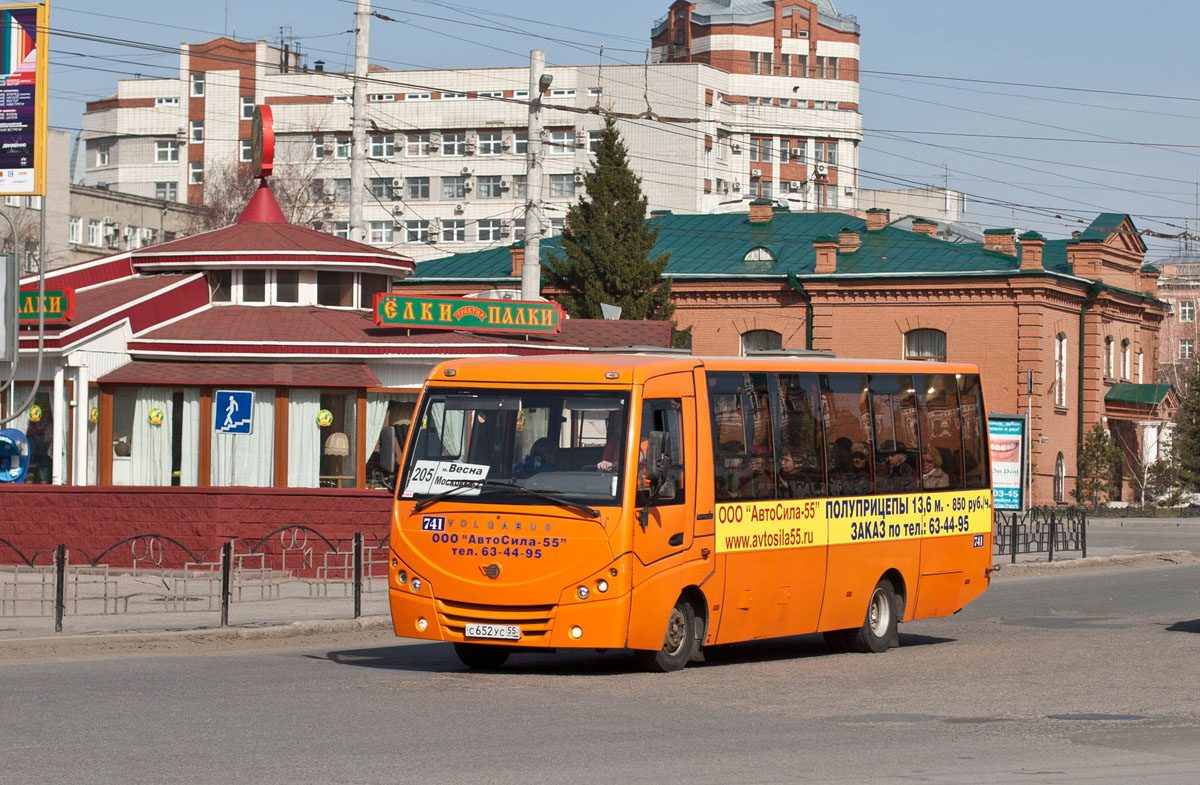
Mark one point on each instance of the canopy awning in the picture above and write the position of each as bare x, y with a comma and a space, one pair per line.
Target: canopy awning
199, 374
1141, 401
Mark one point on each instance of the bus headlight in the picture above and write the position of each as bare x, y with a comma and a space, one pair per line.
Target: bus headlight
402, 577
583, 592
577, 632
416, 584
422, 624
601, 585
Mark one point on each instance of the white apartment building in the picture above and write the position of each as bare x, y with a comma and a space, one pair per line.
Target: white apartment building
446, 157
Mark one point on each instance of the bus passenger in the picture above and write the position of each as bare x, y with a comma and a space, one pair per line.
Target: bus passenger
543, 456
894, 471
933, 475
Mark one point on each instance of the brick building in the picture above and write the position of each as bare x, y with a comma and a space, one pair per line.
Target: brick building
1179, 286
1078, 314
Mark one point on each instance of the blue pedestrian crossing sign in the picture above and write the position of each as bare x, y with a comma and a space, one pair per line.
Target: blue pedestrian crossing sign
232, 411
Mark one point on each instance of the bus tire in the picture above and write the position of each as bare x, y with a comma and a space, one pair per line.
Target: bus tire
678, 643
480, 656
879, 627
838, 641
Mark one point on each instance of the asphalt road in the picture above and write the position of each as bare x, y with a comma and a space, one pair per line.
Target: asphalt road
969, 699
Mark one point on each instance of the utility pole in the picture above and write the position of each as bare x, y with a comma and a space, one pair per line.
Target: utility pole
358, 131
531, 270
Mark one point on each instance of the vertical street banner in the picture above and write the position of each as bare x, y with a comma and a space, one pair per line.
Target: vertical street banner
1006, 444
23, 59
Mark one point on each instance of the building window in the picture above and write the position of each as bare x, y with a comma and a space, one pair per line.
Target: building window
489, 230
341, 229
759, 254
166, 152
562, 186
379, 98
417, 188
562, 93
383, 146
1187, 348
95, 234
520, 183
1060, 479
557, 226
454, 231
454, 144
168, 191
245, 150
416, 231
454, 187
1125, 359
247, 107
454, 96
166, 102
1139, 381
75, 230
491, 143
416, 96
417, 146
1187, 311
33, 202
827, 67
341, 189
489, 186
197, 85
594, 138
380, 232
562, 142
1060, 370
785, 65
925, 344
766, 190
12, 201
287, 286
103, 154
521, 142
491, 93
341, 147
335, 288
1109, 349
254, 286
761, 341
196, 131
196, 173
381, 189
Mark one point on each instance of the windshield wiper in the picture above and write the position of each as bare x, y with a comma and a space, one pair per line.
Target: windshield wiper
570, 505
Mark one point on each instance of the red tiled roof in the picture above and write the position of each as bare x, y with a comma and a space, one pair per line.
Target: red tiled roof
259, 237
613, 332
243, 374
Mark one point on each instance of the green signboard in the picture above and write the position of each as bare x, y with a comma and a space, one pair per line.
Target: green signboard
461, 313
57, 304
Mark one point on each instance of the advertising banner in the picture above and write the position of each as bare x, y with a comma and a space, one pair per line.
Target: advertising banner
1006, 443
463, 313
23, 99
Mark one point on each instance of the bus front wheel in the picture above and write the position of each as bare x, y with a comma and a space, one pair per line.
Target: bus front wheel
678, 643
481, 657
879, 627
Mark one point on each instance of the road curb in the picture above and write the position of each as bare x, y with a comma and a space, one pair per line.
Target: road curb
1120, 560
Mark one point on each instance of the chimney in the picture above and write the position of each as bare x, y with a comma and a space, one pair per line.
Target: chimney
1032, 244
925, 226
518, 258
848, 240
1000, 240
827, 251
760, 211
878, 218
1148, 280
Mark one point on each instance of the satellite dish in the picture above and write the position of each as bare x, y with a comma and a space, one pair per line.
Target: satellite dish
610, 311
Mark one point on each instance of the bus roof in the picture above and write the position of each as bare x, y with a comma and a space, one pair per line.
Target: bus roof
624, 369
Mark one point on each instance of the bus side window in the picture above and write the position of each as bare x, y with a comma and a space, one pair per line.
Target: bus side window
941, 429
743, 452
845, 411
976, 467
800, 471
665, 415
894, 415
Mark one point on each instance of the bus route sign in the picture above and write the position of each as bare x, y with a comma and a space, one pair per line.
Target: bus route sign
464, 313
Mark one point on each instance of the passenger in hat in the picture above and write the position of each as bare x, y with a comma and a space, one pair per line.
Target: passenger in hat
894, 472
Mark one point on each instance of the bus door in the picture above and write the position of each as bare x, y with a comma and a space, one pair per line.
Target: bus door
663, 522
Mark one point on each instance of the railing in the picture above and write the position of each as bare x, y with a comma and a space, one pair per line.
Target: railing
165, 576
1040, 530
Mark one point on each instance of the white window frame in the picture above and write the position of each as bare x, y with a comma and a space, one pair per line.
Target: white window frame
1187, 310
379, 98
490, 143
416, 96
454, 144
562, 142
75, 230
245, 150
562, 186
1187, 348
248, 107
196, 131
1125, 358
383, 146
454, 96
416, 231
416, 146
1110, 356
381, 232
166, 151
413, 187
103, 154
170, 189
95, 234
1060, 370
197, 85
489, 230
195, 173
454, 230
489, 186
342, 147
166, 101
520, 143
459, 183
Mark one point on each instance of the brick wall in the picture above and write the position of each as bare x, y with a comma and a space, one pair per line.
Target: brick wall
89, 520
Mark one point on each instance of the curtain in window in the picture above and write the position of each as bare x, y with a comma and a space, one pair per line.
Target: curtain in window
93, 439
248, 459
150, 446
925, 345
304, 438
377, 404
189, 442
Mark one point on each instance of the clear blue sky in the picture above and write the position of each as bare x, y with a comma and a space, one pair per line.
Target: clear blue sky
1143, 48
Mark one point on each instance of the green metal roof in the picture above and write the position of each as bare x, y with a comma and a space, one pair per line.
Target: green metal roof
715, 246
1140, 394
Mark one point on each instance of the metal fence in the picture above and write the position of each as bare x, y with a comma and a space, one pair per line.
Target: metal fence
164, 576
1046, 530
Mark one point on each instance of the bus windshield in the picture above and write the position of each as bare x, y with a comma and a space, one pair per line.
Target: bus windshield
500, 444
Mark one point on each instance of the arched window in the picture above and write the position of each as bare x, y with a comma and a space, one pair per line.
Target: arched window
1060, 479
1125, 359
761, 340
1109, 347
925, 344
759, 254
1060, 369
1140, 368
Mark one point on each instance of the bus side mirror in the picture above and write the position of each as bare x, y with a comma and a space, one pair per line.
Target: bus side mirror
387, 450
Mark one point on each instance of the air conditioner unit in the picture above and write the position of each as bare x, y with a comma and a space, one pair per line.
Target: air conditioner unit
822, 169
581, 141
578, 170
327, 147
109, 221
397, 183
756, 172
725, 188
506, 144
735, 148
466, 171
327, 212
398, 208
794, 186
796, 151
467, 186
737, 186
148, 233
579, 179
460, 207
126, 232
849, 192
505, 227
505, 185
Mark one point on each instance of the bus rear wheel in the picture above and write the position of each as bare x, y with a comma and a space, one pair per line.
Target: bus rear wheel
481, 657
678, 644
879, 627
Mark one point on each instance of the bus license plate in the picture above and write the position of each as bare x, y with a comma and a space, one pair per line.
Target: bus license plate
502, 632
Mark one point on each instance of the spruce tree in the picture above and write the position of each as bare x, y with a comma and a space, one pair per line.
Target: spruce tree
1099, 461
1185, 439
607, 244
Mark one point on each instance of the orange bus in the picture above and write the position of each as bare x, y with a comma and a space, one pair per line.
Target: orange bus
666, 503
